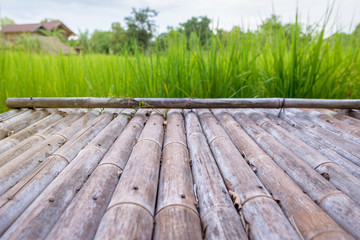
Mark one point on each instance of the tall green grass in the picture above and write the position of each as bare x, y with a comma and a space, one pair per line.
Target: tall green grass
274, 64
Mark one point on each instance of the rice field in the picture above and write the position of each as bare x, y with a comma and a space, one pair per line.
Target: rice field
238, 65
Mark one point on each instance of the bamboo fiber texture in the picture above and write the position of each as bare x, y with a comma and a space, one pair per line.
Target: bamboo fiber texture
264, 217
131, 210
39, 218
337, 204
19, 197
307, 217
218, 214
177, 216
89, 102
82, 217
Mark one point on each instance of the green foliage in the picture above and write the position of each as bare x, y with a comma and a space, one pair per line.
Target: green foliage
6, 21
198, 25
141, 26
100, 41
119, 38
28, 43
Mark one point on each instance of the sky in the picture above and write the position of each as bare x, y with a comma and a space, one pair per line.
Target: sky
80, 15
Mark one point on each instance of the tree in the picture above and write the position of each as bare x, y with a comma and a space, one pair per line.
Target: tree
100, 41
5, 21
198, 25
118, 37
141, 26
83, 39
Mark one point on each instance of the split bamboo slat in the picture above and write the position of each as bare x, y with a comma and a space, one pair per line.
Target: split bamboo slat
82, 217
35, 139
308, 218
19, 167
11, 128
336, 175
217, 212
261, 212
337, 204
300, 114
325, 151
176, 215
19, 197
9, 114
342, 146
16, 138
16, 117
40, 217
89, 102
130, 214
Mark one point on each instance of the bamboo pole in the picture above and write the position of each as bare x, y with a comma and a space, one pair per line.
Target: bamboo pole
20, 196
261, 212
345, 148
347, 119
40, 217
82, 217
130, 212
35, 139
8, 129
341, 129
336, 175
16, 138
218, 214
88, 102
15, 117
19, 167
176, 215
334, 202
9, 113
325, 151
307, 217
352, 113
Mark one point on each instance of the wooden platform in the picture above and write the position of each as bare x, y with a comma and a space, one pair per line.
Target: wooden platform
179, 174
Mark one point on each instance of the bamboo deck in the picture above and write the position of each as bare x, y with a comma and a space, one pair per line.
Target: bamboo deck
179, 174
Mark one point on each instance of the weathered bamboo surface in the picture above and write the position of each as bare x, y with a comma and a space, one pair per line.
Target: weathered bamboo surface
16, 138
131, 210
176, 214
180, 174
261, 212
185, 103
217, 211
337, 204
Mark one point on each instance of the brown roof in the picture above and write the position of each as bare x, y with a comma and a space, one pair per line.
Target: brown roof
35, 26
184, 174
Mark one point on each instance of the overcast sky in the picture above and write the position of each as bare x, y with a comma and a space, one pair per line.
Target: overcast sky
95, 14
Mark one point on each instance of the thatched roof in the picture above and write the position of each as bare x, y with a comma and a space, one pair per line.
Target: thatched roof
179, 174
21, 28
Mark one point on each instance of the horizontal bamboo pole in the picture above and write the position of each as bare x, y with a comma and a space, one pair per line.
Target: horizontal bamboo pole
89, 102
325, 151
305, 215
19, 197
130, 212
262, 213
35, 139
217, 211
40, 217
82, 217
176, 215
336, 175
337, 204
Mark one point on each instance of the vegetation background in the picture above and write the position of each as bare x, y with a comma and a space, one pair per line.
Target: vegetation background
191, 60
